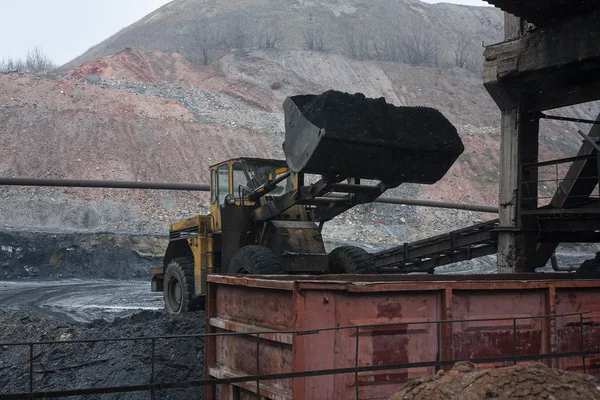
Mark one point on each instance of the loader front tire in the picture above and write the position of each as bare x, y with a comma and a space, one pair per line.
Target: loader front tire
255, 260
351, 260
178, 289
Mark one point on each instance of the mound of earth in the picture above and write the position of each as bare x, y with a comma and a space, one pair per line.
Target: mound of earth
531, 381
102, 364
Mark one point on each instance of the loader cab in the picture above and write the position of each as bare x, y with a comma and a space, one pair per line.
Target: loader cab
239, 177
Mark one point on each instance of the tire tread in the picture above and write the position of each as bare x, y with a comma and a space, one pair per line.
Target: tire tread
261, 259
184, 266
351, 260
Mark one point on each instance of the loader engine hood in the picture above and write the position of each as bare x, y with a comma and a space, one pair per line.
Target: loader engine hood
347, 135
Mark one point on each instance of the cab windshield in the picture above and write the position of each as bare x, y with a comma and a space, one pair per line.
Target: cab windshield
251, 174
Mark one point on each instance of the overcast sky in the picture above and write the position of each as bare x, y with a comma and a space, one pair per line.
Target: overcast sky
64, 29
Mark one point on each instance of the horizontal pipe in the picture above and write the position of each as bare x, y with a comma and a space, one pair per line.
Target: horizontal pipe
206, 188
438, 204
560, 161
103, 184
569, 119
335, 198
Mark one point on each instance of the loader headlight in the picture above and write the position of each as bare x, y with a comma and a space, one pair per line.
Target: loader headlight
230, 200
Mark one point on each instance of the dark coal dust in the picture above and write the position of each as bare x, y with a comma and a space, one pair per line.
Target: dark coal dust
76, 309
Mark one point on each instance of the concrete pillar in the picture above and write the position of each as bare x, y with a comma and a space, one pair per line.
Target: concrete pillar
518, 191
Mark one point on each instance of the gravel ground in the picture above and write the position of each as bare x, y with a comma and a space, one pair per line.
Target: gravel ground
83, 365
207, 107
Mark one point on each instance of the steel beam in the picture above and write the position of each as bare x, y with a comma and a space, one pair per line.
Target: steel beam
572, 188
206, 188
431, 264
460, 245
438, 204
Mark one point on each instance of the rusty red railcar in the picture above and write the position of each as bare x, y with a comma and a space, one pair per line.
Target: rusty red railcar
495, 317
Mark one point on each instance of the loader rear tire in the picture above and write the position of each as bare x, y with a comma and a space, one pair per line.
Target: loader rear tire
255, 260
351, 260
178, 287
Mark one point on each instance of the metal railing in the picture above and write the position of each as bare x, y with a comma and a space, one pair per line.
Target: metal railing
550, 181
152, 387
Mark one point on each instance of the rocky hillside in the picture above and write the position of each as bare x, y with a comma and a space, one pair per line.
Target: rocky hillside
139, 106
202, 30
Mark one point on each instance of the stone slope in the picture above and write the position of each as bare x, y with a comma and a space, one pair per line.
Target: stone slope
243, 23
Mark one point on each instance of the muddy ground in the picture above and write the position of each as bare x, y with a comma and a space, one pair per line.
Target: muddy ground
82, 365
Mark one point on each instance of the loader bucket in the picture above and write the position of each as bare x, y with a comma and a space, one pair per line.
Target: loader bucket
348, 135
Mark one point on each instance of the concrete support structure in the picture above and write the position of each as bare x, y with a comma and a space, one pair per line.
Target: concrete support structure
519, 145
533, 70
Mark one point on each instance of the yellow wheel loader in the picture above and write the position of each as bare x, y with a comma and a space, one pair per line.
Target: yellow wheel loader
266, 219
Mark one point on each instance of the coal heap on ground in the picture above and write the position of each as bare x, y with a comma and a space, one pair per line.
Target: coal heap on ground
103, 364
415, 127
589, 269
532, 381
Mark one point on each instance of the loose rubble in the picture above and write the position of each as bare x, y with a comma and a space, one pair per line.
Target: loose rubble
208, 107
532, 381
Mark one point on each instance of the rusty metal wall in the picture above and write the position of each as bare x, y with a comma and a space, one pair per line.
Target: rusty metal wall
242, 308
244, 304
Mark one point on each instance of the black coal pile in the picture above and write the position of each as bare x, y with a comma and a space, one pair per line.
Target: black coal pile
418, 127
349, 135
102, 364
589, 269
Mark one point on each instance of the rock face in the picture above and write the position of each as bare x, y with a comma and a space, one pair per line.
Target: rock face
533, 381
201, 29
79, 255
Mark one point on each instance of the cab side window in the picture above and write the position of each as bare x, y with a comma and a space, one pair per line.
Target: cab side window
213, 186
223, 183
240, 182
